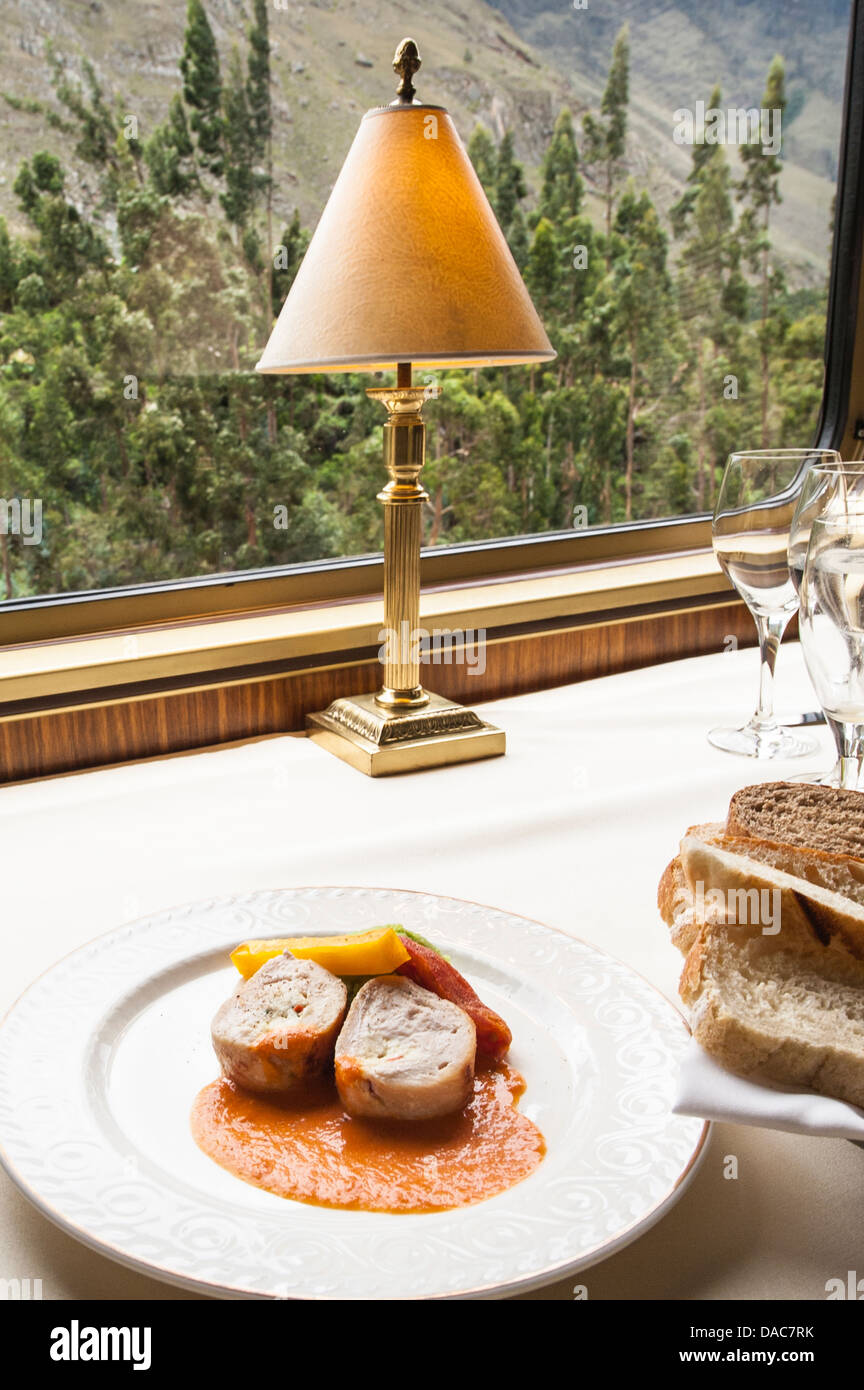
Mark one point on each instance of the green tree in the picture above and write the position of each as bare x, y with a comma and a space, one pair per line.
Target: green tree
202, 85
681, 210
67, 243
544, 265
97, 127
606, 134
484, 157
759, 192
169, 154
712, 294
510, 186
239, 143
260, 103
643, 314
562, 187
8, 268
286, 261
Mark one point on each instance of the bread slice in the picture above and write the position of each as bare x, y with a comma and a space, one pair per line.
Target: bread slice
769, 1012
404, 1053
769, 911
735, 888
280, 1027
815, 872
677, 903
813, 818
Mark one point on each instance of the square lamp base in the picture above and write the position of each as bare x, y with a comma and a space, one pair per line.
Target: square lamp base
380, 742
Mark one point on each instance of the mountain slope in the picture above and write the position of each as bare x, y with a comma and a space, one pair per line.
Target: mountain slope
679, 50
331, 61
510, 66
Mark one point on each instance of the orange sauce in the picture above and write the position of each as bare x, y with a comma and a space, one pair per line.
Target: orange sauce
309, 1149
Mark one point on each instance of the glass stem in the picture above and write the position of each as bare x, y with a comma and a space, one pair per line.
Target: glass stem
850, 746
770, 632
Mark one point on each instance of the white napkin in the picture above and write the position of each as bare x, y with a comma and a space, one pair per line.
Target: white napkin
707, 1090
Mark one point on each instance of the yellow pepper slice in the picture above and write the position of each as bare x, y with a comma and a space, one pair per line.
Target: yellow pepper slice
375, 952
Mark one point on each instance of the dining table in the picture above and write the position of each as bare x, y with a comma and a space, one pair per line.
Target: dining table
572, 828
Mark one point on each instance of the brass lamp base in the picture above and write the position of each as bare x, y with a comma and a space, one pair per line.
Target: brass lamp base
381, 741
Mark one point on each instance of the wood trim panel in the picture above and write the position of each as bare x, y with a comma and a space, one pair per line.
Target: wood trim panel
147, 722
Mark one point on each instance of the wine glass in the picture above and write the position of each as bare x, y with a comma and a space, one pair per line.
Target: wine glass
818, 484
751, 526
832, 614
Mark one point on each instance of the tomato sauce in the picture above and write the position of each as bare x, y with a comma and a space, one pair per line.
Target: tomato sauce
307, 1148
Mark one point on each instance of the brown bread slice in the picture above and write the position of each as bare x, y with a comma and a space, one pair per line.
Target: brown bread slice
814, 818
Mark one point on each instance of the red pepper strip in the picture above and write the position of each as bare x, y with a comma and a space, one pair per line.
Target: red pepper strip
430, 970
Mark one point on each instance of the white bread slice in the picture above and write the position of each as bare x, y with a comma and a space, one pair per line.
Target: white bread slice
404, 1053
825, 902
764, 1012
280, 1026
677, 905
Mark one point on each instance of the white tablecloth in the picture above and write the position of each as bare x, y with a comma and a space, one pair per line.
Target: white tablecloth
573, 827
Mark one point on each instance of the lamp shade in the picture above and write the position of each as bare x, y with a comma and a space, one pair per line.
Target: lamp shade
407, 264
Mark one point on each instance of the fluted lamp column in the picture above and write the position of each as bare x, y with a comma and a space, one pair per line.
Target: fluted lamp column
407, 268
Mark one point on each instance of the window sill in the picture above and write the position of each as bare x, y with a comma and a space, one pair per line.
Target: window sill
191, 652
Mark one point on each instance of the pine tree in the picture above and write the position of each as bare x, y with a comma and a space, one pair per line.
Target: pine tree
680, 211
484, 157
759, 192
510, 186
711, 290
562, 188
239, 143
286, 261
544, 265
96, 125
643, 300
260, 104
8, 268
68, 244
202, 85
518, 239
606, 134
258, 81
169, 152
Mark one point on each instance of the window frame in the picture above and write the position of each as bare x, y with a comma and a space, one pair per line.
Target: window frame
44, 618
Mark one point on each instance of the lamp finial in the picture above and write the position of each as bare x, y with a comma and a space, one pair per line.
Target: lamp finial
406, 61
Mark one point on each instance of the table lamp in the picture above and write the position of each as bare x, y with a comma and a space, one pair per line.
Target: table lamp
407, 268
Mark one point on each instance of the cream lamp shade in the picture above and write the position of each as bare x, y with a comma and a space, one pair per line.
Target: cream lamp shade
407, 264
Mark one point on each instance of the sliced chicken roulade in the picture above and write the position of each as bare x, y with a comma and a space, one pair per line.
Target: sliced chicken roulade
403, 1053
280, 1026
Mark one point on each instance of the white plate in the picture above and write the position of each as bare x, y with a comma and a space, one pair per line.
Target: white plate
101, 1059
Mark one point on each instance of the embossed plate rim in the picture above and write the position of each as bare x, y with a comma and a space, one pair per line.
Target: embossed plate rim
209, 915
